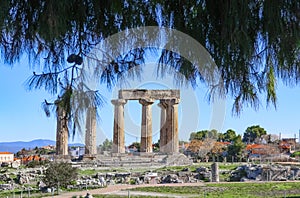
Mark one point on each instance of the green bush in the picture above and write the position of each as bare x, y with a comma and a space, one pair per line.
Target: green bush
61, 174
295, 154
34, 164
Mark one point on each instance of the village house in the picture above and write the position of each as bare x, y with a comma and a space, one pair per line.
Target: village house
27, 159
76, 152
6, 157
287, 144
49, 147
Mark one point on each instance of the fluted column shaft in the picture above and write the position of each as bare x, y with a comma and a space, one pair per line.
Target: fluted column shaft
90, 133
146, 128
172, 126
62, 132
118, 136
163, 129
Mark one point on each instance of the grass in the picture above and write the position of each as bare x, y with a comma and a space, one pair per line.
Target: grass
17, 193
119, 196
91, 172
232, 190
88, 172
222, 166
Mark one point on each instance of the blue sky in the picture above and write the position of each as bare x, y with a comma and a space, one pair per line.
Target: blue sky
22, 118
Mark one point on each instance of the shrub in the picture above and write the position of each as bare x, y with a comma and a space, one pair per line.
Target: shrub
61, 174
295, 154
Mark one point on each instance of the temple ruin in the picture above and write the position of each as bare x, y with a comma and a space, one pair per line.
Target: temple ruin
169, 100
62, 133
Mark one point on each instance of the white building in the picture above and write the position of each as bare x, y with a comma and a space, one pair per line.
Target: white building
76, 152
6, 157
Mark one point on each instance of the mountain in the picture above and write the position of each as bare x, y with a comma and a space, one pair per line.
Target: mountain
14, 147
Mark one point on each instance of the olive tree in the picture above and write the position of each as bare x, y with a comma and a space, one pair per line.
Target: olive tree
60, 174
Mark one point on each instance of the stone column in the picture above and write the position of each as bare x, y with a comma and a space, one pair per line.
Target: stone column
90, 133
215, 172
146, 128
163, 131
62, 132
118, 137
172, 126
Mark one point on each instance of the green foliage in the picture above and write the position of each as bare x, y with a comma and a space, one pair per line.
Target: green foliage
61, 174
201, 135
236, 149
156, 146
74, 95
281, 189
295, 154
106, 145
87, 172
136, 145
35, 151
250, 50
252, 133
34, 163
229, 136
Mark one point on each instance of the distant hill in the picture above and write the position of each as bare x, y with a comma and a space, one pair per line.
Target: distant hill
14, 147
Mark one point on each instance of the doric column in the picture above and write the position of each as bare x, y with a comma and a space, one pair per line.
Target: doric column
146, 128
163, 129
90, 133
172, 126
62, 132
118, 137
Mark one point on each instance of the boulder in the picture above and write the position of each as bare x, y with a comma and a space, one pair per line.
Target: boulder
171, 178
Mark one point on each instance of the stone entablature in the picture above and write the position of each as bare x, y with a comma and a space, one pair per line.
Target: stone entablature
169, 100
158, 94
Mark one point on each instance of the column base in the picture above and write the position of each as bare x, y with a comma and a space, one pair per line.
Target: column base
145, 154
119, 154
88, 157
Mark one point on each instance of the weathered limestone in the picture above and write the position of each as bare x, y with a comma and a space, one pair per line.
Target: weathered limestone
215, 172
136, 94
163, 131
171, 126
146, 129
169, 100
90, 134
62, 132
118, 136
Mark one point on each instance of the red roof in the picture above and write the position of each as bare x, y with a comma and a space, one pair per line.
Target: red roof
6, 153
255, 146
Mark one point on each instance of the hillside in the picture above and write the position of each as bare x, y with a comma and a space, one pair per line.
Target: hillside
16, 146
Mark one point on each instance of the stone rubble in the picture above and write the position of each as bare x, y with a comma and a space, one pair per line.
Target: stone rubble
274, 172
247, 172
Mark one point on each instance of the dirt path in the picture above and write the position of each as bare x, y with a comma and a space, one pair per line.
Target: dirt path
119, 189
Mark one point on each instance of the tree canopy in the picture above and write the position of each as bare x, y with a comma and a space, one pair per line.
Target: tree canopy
252, 133
106, 145
253, 43
204, 134
229, 136
236, 149
60, 174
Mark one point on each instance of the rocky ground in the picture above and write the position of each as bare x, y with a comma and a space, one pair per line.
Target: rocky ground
21, 178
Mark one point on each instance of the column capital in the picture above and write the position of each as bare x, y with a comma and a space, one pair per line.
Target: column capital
174, 101
118, 102
162, 104
146, 102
